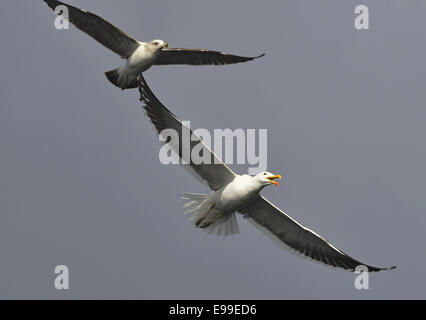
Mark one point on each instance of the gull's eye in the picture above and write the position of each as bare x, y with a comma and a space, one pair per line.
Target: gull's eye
264, 173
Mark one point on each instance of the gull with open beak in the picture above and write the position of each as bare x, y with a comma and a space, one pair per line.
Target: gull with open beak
140, 56
232, 193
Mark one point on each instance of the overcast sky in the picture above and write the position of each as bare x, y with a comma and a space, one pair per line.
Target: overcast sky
81, 183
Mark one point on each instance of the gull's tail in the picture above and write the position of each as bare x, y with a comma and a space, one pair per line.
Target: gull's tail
122, 79
201, 211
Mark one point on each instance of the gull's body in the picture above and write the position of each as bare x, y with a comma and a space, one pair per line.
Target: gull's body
232, 193
143, 58
140, 56
235, 195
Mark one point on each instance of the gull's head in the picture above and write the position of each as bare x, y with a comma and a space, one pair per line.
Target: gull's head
158, 44
266, 178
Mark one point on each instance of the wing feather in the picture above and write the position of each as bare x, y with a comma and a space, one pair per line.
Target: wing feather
215, 174
199, 57
292, 235
99, 29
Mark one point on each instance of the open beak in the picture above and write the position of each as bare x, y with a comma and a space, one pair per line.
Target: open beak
272, 178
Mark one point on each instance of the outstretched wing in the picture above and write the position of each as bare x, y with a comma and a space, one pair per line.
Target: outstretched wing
199, 57
288, 232
213, 171
99, 29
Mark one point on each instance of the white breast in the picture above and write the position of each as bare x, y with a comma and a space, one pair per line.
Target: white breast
141, 60
236, 194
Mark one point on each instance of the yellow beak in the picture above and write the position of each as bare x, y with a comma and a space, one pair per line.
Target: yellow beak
272, 178
165, 45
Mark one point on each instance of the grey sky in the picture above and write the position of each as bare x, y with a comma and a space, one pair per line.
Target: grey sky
81, 184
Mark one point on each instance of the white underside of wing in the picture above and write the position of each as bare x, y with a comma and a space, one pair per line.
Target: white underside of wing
175, 155
287, 248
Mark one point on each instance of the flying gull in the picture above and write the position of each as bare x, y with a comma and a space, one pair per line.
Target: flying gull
232, 193
140, 55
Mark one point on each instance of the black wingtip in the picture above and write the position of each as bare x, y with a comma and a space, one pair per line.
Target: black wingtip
52, 4
262, 55
388, 268
374, 269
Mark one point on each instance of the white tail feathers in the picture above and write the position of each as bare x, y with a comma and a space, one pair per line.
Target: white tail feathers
200, 210
224, 226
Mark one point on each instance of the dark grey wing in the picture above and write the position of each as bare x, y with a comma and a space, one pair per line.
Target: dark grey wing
288, 232
213, 172
99, 29
199, 57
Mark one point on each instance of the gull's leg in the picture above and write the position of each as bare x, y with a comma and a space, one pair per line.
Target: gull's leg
200, 220
206, 224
